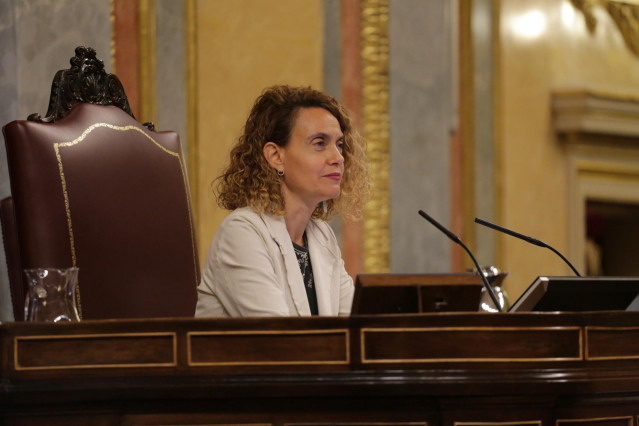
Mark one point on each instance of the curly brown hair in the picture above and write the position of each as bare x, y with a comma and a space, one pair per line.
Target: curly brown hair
249, 180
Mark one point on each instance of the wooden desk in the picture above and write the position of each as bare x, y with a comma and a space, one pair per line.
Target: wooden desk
430, 369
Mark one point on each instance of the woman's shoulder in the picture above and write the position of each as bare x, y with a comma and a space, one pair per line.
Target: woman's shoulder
241, 217
247, 218
242, 213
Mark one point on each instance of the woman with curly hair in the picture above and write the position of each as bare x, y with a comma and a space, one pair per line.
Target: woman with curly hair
298, 163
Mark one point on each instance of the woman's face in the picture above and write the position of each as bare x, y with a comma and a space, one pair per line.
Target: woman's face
312, 160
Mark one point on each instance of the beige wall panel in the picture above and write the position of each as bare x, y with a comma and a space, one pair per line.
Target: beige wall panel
244, 46
532, 175
544, 46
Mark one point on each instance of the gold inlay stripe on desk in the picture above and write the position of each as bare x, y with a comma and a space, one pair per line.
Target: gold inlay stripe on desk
271, 353
368, 357
623, 420
94, 351
519, 423
359, 424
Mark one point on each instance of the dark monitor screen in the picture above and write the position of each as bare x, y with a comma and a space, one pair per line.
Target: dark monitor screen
578, 294
410, 294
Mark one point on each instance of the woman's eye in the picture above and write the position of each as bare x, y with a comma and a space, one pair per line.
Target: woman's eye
319, 143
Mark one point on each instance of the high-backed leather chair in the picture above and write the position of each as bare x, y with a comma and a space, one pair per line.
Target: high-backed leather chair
93, 188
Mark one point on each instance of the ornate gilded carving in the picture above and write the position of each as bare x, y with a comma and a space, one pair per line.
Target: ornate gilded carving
192, 104
112, 42
374, 53
625, 15
85, 82
148, 60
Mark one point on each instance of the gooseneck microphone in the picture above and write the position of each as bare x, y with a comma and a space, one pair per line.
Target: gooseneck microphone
527, 239
456, 239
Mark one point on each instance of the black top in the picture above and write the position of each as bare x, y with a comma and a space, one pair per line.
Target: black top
304, 260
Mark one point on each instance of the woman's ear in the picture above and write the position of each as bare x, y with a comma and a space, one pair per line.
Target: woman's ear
273, 155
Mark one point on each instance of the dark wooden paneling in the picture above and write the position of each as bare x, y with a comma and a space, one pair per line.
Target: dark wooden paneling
433, 369
268, 347
471, 344
95, 351
608, 343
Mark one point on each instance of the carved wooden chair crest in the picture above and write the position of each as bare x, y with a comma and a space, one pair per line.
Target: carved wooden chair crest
85, 82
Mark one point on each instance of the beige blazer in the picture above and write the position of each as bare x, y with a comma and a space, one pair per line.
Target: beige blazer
251, 270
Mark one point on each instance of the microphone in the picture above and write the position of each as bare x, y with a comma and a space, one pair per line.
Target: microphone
456, 239
526, 238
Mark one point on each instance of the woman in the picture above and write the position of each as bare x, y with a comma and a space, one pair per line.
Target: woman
298, 163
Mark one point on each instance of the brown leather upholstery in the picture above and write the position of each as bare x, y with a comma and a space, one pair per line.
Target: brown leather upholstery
99, 191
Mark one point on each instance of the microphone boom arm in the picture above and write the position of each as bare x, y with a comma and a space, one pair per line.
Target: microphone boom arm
456, 239
526, 238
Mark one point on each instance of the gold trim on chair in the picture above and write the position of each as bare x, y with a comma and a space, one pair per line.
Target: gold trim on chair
57, 147
374, 52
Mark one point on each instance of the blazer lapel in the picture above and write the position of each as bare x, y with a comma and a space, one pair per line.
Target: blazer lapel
322, 260
279, 233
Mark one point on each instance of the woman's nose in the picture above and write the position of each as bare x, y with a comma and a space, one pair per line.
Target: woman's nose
336, 155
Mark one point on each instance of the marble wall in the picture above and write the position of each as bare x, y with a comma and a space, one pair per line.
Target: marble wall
38, 37
422, 117
483, 191
171, 69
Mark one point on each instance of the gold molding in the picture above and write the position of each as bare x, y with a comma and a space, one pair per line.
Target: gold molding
374, 55
586, 112
148, 61
595, 94
625, 15
112, 42
191, 104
